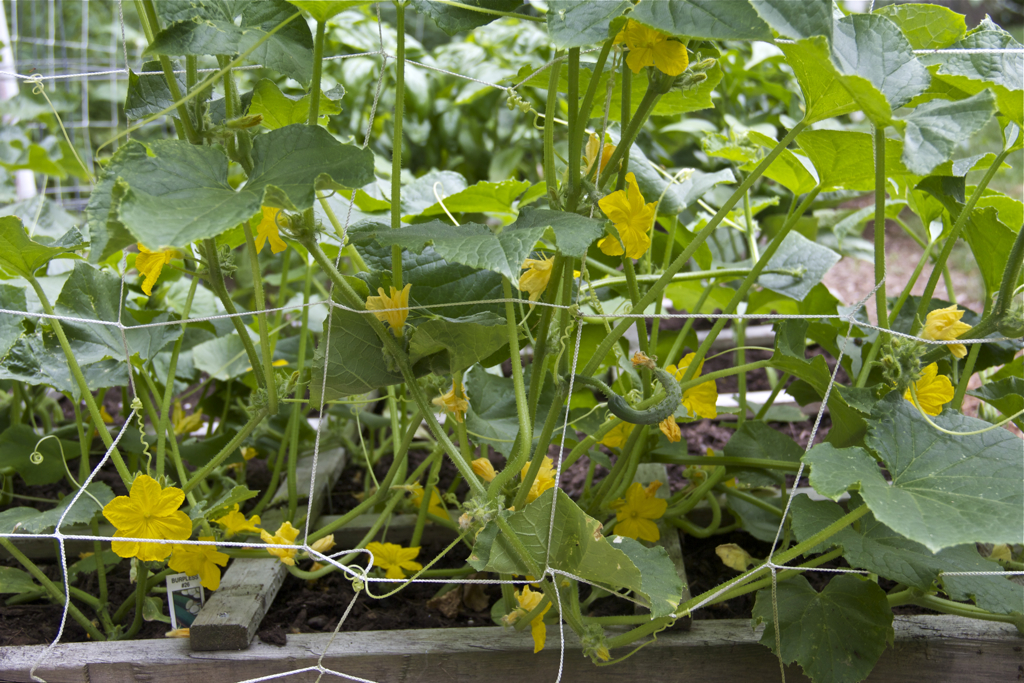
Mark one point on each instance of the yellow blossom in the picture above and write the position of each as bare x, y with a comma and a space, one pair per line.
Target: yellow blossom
454, 402
435, 508
528, 601
610, 246
702, 399
178, 633
933, 390
535, 279
149, 264
944, 324
545, 479
635, 513
384, 305
616, 438
734, 557
631, 216
185, 424
269, 230
591, 150
324, 544
648, 47
204, 560
285, 535
235, 523
670, 429
393, 558
248, 453
148, 511
483, 469
104, 415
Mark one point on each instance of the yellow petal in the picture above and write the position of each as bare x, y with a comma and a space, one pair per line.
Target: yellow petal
610, 246
268, 230
150, 264
483, 468
734, 557
933, 390
670, 429
670, 57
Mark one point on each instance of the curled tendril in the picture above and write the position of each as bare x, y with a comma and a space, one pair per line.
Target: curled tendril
137, 409
36, 458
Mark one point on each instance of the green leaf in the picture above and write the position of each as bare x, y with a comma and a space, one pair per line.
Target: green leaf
18, 152
758, 440
222, 358
791, 338
492, 415
844, 159
809, 261
42, 217
787, 169
13, 580
94, 294
836, 635
83, 511
454, 20
18, 442
466, 340
470, 244
89, 564
224, 504
480, 198
20, 255
170, 193
705, 19
211, 30
581, 23
927, 27
871, 48
796, 20
823, 91
149, 94
572, 234
11, 326
578, 547
1007, 395
848, 425
836, 470
878, 549
945, 490
322, 10
758, 522
278, 110
106, 235
934, 129
419, 194
675, 196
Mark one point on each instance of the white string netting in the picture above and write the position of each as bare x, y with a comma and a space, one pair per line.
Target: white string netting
360, 574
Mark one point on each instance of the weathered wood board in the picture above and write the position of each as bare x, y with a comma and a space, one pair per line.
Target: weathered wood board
927, 648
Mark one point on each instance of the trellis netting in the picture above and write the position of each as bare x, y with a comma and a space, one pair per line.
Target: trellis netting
76, 56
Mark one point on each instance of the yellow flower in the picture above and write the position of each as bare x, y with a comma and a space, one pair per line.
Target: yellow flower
528, 601
148, 511
734, 557
435, 508
591, 150
324, 544
636, 512
268, 230
545, 479
702, 399
632, 218
944, 324
285, 535
149, 264
393, 558
199, 559
384, 306
535, 279
185, 424
933, 390
648, 47
616, 438
670, 429
178, 633
610, 246
248, 453
235, 523
454, 402
483, 469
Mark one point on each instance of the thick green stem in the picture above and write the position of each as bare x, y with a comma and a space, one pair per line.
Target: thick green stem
880, 303
965, 377
575, 129
261, 319
172, 368
300, 391
318, 63
540, 348
396, 145
550, 111
153, 22
658, 287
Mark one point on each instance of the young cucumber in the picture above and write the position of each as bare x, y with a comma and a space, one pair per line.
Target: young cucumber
618, 406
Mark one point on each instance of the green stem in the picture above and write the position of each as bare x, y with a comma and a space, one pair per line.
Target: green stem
658, 287
428, 491
261, 318
698, 494
965, 376
959, 609
140, 600
880, 303
550, 110
783, 465
752, 499
318, 63
776, 390
782, 576
575, 129
229, 448
153, 21
396, 145
300, 390
540, 348
741, 359
172, 368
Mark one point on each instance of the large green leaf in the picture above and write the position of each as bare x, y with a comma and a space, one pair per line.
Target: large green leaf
470, 244
933, 130
13, 580
796, 20
210, 29
572, 234
848, 424
170, 193
836, 635
878, 549
809, 259
452, 20
844, 159
945, 490
492, 415
480, 198
707, 19
279, 110
580, 23
466, 340
106, 235
578, 547
823, 91
927, 27
17, 444
21, 255
758, 440
1007, 395
149, 94
94, 294
84, 509
787, 170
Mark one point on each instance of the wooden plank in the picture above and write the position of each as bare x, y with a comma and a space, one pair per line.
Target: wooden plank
927, 648
230, 618
645, 474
